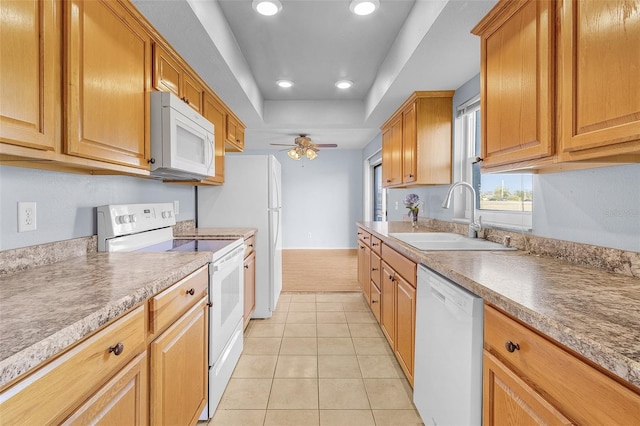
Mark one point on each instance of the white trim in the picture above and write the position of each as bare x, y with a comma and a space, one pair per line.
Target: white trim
367, 180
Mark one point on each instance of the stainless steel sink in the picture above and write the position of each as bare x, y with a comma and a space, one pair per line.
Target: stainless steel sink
441, 241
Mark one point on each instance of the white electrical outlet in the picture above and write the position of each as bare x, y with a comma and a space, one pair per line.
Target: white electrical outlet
26, 216
309, 235
176, 207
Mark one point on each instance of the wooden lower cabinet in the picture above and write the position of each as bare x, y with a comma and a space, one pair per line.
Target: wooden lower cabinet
509, 400
249, 287
541, 382
55, 391
364, 269
178, 363
388, 303
122, 401
405, 311
375, 301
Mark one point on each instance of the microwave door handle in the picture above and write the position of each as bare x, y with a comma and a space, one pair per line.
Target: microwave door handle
210, 152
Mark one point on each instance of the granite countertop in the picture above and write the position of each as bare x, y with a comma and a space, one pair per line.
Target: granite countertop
46, 309
593, 312
216, 233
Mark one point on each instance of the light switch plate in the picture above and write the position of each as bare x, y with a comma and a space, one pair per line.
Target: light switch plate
26, 216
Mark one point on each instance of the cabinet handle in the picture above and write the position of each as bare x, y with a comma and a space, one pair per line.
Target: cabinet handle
391, 277
374, 244
191, 292
246, 266
209, 304
361, 247
410, 175
374, 269
117, 349
388, 180
374, 301
511, 347
250, 245
186, 100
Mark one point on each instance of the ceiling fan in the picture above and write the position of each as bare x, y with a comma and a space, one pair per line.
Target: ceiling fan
304, 146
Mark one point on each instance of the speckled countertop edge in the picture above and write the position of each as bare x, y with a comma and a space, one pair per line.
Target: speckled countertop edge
215, 233
616, 349
151, 272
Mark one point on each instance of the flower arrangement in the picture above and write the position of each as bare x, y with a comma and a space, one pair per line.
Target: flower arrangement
412, 202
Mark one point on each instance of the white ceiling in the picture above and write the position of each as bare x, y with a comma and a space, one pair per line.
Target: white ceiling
406, 45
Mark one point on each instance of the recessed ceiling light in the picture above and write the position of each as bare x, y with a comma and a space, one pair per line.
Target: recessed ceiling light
284, 83
267, 7
364, 7
344, 84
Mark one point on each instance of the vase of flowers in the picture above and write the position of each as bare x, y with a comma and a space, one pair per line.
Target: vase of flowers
412, 202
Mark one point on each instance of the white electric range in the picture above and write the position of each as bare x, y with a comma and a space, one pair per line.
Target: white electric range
149, 227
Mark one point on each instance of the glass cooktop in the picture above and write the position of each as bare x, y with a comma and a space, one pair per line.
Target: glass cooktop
189, 245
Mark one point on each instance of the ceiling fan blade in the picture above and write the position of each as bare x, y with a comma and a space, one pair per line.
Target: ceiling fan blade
326, 145
281, 144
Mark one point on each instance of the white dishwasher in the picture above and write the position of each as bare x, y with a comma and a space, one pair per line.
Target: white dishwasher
448, 360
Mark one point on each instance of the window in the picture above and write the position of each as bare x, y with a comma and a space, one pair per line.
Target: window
503, 199
378, 211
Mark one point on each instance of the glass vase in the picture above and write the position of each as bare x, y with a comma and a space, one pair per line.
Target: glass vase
413, 214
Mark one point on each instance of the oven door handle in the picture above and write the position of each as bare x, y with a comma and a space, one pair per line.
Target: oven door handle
231, 257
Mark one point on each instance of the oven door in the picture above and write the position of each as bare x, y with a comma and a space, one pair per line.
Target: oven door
226, 288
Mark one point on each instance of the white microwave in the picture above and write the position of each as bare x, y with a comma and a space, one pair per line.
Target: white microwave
182, 140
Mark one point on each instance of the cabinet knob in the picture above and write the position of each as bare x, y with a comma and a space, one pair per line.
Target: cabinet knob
374, 301
209, 304
250, 245
374, 269
117, 349
246, 266
388, 180
511, 347
191, 292
410, 175
152, 160
391, 277
374, 244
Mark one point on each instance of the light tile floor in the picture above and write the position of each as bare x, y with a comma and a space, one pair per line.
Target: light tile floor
320, 360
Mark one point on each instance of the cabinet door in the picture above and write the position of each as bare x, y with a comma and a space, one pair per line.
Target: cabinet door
517, 84
122, 401
249, 287
214, 112
30, 67
388, 303
375, 301
392, 153
233, 142
599, 63
107, 79
507, 399
405, 325
364, 268
192, 92
409, 145
166, 71
179, 369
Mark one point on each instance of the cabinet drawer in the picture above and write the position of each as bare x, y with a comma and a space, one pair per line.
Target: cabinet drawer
249, 245
51, 393
578, 390
375, 269
376, 245
364, 236
401, 264
168, 305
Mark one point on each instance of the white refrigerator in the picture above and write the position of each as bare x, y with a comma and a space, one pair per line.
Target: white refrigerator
250, 198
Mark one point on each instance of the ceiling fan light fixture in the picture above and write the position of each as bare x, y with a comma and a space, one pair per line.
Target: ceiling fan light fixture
294, 154
267, 7
344, 84
285, 84
311, 154
364, 7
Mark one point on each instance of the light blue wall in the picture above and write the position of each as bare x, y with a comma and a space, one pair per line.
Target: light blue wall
322, 197
596, 206
66, 202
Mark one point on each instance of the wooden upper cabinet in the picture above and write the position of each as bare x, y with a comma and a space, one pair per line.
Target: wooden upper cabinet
108, 73
170, 76
215, 113
30, 37
517, 81
599, 81
409, 148
392, 153
235, 135
416, 141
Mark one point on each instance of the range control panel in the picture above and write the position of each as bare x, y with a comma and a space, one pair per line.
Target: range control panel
123, 219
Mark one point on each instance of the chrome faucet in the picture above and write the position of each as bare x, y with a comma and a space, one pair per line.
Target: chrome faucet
474, 227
